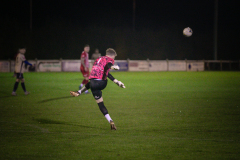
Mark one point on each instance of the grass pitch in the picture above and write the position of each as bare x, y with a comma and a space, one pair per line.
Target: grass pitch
160, 115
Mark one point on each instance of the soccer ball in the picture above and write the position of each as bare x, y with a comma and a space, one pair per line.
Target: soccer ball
187, 32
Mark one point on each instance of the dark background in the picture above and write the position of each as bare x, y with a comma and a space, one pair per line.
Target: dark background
60, 29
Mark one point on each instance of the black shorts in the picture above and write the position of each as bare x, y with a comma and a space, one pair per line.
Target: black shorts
96, 87
19, 76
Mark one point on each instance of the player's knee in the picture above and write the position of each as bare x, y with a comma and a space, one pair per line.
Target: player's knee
22, 80
99, 100
97, 94
17, 80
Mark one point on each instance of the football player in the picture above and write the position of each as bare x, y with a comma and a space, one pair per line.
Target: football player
85, 66
20, 59
98, 81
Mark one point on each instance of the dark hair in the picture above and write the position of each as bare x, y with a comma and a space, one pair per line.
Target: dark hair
87, 45
111, 52
22, 47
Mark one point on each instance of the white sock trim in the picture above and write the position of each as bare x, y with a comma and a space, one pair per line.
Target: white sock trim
108, 117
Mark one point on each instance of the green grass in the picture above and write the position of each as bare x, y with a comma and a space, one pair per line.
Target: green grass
160, 115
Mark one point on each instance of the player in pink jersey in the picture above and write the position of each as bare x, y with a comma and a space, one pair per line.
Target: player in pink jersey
85, 66
98, 81
99, 71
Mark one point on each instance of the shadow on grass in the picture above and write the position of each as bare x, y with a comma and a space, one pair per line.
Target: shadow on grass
53, 99
5, 93
5, 96
49, 121
57, 98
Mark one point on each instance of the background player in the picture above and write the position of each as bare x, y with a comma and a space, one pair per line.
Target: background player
98, 81
20, 59
85, 66
96, 55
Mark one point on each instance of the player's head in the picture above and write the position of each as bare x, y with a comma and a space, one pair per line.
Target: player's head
22, 50
96, 50
86, 48
111, 53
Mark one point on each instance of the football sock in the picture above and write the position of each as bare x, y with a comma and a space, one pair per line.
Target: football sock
103, 108
23, 87
83, 89
108, 118
15, 86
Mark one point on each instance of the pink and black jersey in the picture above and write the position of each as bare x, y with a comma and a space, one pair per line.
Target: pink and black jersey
100, 69
85, 55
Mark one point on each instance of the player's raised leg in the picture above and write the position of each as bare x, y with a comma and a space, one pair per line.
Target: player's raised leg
82, 90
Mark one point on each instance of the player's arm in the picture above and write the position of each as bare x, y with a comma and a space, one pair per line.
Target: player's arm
116, 67
110, 77
27, 63
119, 83
24, 60
111, 66
82, 62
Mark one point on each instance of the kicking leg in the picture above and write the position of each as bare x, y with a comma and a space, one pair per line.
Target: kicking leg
81, 85
83, 89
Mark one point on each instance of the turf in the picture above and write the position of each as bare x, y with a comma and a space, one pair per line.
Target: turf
160, 115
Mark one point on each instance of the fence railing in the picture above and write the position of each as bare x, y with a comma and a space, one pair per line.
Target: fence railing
127, 65
222, 65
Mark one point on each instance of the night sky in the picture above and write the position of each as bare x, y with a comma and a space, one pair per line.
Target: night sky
151, 15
